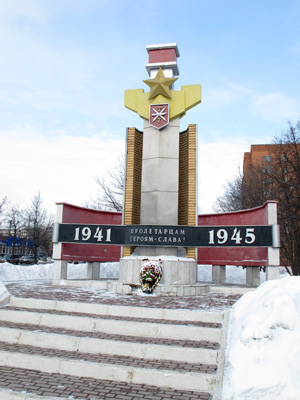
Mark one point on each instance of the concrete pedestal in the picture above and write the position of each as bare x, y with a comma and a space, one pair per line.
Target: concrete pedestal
93, 270
60, 271
179, 277
272, 273
159, 187
219, 274
253, 276
181, 271
159, 193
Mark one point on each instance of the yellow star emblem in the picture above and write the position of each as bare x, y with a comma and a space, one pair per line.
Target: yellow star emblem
160, 85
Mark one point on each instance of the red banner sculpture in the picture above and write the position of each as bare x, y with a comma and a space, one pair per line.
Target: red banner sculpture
218, 254
242, 256
68, 214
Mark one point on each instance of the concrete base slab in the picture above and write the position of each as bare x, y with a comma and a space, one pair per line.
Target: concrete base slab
160, 290
180, 290
231, 290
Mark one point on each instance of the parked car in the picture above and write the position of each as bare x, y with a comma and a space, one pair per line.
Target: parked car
11, 259
27, 260
42, 260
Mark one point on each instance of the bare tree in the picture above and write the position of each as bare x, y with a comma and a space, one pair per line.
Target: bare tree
39, 226
111, 190
284, 178
245, 191
279, 181
15, 219
232, 198
3, 203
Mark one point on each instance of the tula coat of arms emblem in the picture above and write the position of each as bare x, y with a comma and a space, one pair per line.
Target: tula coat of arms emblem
159, 115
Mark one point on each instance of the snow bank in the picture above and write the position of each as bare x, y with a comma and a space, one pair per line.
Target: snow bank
10, 272
4, 295
263, 348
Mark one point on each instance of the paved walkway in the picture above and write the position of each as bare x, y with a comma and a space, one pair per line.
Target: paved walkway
46, 291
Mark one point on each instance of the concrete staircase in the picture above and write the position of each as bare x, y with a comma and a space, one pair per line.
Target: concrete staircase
67, 350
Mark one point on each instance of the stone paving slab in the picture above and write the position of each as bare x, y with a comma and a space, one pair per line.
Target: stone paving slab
70, 387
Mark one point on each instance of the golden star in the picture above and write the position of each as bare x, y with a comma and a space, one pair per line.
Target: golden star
160, 85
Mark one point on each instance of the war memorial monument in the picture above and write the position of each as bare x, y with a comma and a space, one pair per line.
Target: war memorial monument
159, 238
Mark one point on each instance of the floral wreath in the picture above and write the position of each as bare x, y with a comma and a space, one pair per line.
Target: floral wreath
150, 275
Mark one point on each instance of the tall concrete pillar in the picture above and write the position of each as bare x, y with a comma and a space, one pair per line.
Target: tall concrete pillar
161, 110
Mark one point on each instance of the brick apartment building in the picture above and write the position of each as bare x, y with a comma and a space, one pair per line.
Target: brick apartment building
260, 154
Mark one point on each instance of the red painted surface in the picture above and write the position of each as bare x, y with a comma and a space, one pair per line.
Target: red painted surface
159, 115
250, 256
89, 252
162, 55
82, 215
254, 216
254, 256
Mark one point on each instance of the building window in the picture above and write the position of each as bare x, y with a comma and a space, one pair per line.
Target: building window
267, 193
267, 170
267, 158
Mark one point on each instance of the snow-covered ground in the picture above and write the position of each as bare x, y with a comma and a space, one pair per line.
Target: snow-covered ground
263, 347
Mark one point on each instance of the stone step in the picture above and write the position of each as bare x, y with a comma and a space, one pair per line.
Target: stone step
115, 337
111, 326
105, 358
167, 374
70, 341
24, 384
151, 313
120, 318
176, 350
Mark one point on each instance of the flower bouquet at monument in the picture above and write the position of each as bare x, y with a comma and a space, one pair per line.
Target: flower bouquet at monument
150, 275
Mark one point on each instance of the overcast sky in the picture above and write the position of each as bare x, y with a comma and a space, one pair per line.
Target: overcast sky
65, 64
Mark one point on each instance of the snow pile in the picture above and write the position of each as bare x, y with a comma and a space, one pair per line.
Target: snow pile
263, 348
4, 295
